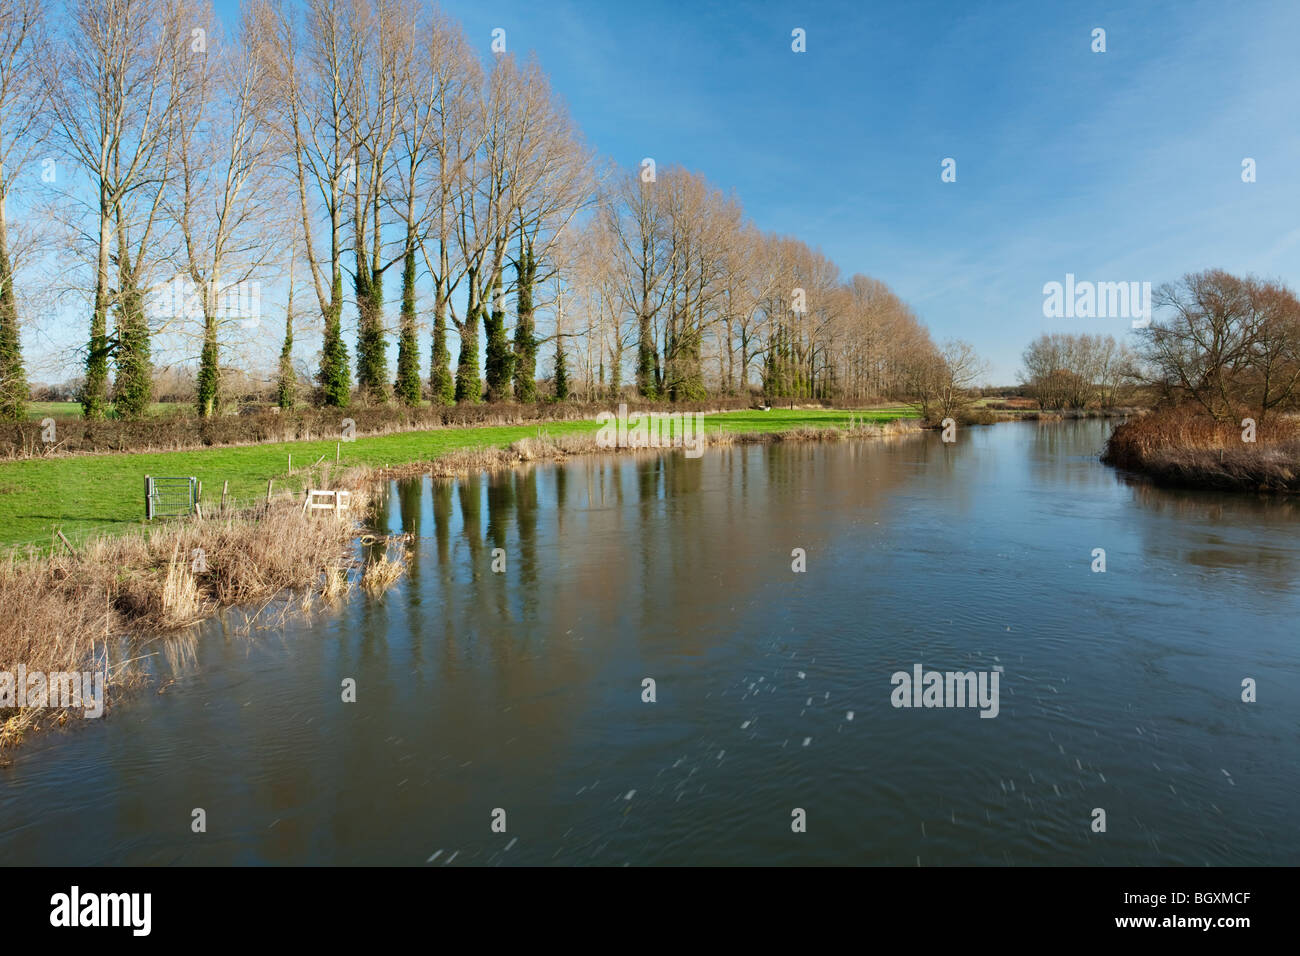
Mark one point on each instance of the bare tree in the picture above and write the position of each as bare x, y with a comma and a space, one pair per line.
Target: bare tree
379, 58
941, 382
114, 84
225, 169
306, 60
527, 181
453, 77
552, 184
635, 213
1225, 343
22, 103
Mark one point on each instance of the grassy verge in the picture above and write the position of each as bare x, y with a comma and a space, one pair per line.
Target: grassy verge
87, 495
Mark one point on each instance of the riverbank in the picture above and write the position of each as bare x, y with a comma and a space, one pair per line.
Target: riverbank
561, 447
44, 436
622, 567
1181, 449
71, 609
91, 495
93, 610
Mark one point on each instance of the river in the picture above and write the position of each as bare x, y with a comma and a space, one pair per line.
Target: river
515, 700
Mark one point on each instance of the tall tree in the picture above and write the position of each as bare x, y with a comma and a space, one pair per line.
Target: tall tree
416, 81
313, 83
552, 181
454, 80
224, 159
484, 230
22, 96
113, 81
635, 212
378, 58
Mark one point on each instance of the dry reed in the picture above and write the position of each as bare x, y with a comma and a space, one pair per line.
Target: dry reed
64, 612
1179, 447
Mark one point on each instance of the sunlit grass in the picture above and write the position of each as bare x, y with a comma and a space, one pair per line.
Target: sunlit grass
38, 410
83, 494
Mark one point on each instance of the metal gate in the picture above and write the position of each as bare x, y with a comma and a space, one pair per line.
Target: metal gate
169, 497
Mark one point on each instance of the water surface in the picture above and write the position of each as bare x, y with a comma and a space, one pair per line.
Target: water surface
523, 690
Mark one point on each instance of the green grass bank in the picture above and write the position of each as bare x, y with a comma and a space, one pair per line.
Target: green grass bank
84, 495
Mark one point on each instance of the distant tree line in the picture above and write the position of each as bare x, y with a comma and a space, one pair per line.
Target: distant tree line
1221, 345
1063, 370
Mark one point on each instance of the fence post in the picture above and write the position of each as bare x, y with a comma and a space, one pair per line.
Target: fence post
148, 498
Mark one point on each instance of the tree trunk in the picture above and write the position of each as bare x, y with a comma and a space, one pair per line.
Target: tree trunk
408, 354
500, 358
94, 395
335, 381
469, 387
525, 372
13, 377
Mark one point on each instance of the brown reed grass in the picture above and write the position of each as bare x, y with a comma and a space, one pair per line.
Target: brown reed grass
1181, 447
64, 611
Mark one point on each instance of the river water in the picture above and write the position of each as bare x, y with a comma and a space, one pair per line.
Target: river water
516, 698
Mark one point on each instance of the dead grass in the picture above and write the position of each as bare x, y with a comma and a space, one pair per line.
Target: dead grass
382, 573
1179, 447
65, 612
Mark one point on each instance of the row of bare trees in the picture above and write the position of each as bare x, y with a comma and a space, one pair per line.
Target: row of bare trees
321, 145
671, 282
1063, 370
1220, 344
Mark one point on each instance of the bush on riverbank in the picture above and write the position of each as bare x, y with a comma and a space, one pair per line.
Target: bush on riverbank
1178, 447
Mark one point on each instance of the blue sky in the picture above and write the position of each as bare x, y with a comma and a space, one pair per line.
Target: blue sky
1115, 166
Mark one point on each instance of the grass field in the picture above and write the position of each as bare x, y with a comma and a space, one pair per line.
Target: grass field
86, 494
38, 410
